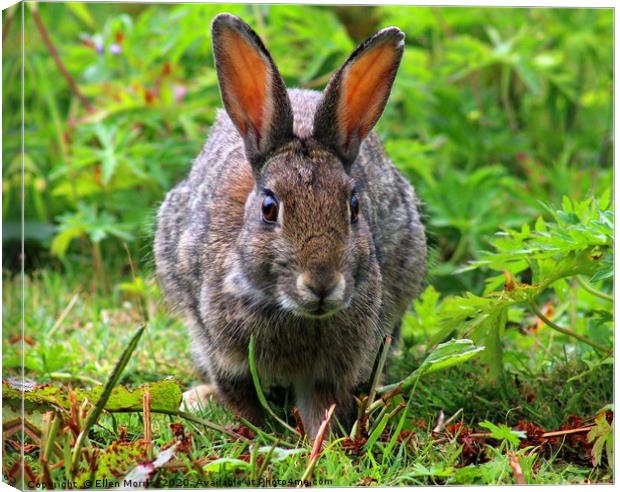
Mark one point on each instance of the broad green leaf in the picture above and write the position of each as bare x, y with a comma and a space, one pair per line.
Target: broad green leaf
449, 354
445, 355
165, 395
490, 332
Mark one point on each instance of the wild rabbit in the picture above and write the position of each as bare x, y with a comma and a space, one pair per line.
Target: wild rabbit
293, 226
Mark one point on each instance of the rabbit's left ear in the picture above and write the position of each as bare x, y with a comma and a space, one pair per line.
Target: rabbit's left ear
357, 93
252, 89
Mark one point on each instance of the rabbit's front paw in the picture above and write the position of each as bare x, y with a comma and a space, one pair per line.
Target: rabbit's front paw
196, 398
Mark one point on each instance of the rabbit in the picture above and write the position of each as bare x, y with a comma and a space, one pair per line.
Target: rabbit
293, 227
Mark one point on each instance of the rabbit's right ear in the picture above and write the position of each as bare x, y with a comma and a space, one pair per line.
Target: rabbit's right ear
252, 89
356, 95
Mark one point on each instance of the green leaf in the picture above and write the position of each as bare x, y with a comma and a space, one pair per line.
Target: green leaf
376, 433
41, 398
555, 248
443, 356
502, 432
490, 332
60, 243
602, 434
420, 470
449, 354
424, 320
165, 395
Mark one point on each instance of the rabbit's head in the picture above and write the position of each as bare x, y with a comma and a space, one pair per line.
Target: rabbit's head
305, 243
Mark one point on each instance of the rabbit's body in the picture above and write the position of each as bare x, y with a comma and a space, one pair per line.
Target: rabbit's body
233, 277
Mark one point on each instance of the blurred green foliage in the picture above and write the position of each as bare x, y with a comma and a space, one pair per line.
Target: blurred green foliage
494, 112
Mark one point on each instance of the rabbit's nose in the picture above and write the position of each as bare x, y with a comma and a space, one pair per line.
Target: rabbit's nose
323, 288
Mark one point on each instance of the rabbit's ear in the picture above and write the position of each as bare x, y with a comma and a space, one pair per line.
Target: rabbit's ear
357, 93
252, 89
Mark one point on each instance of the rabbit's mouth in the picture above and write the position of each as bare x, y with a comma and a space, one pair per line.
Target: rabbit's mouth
313, 310
321, 311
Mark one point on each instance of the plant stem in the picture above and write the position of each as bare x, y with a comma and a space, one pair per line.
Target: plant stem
579, 430
186, 416
54, 52
198, 420
564, 432
318, 442
366, 405
258, 15
51, 436
589, 288
387, 342
146, 410
565, 331
64, 314
141, 296
505, 97
376, 404
377, 421
409, 381
460, 250
361, 411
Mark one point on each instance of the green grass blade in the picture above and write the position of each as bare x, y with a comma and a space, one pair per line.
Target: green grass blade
259, 390
372, 439
107, 391
401, 422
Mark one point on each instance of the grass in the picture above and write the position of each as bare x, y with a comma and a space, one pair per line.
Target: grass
553, 386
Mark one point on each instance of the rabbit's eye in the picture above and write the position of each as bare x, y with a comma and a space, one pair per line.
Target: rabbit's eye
354, 206
270, 209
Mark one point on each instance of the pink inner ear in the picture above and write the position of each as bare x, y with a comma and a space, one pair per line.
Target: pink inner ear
245, 82
365, 87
